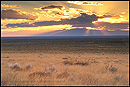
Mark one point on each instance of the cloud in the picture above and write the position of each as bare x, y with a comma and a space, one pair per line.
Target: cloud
14, 14
110, 16
84, 20
50, 7
26, 24
85, 3
112, 26
60, 12
112, 19
16, 6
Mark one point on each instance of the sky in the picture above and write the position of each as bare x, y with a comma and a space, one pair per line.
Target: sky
64, 18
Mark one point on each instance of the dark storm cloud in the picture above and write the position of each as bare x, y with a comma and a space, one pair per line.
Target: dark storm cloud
20, 25
83, 19
13, 14
52, 7
36, 24
110, 16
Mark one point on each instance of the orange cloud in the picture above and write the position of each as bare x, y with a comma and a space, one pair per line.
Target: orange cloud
124, 29
60, 12
111, 20
16, 6
14, 14
85, 3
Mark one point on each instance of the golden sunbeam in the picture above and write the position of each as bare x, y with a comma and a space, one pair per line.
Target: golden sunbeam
86, 33
104, 32
34, 30
53, 33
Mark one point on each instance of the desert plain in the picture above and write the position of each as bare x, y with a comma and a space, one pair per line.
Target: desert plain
65, 62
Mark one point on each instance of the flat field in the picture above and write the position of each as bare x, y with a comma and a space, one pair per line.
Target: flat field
68, 62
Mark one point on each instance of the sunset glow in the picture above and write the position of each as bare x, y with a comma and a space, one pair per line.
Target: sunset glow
46, 17
64, 43
111, 20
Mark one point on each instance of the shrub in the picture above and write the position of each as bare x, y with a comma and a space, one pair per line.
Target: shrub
81, 63
68, 62
112, 69
75, 63
11, 66
28, 66
15, 66
52, 68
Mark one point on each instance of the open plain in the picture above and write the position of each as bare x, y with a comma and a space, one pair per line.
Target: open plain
68, 62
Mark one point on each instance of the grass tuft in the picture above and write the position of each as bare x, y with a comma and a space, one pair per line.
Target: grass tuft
15, 66
112, 69
28, 66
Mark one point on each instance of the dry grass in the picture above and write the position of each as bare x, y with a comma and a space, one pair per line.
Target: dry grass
63, 75
53, 69
75, 63
41, 74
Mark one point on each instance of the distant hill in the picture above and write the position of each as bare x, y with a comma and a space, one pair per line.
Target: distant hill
84, 32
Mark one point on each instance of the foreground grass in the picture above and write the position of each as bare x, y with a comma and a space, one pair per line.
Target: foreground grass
53, 69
